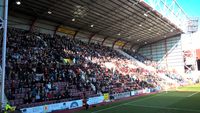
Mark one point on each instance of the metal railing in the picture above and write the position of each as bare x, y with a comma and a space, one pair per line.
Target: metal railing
171, 10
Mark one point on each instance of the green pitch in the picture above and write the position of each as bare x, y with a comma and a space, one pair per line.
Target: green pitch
183, 100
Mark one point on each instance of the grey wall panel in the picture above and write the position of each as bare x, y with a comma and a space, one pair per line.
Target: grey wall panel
97, 39
43, 26
167, 52
83, 36
20, 23
127, 46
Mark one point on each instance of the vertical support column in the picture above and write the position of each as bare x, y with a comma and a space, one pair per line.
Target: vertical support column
32, 24
131, 47
124, 44
137, 48
114, 43
104, 40
4, 52
75, 35
55, 31
166, 53
91, 36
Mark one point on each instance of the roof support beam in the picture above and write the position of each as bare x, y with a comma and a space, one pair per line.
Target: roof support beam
115, 42
131, 47
76, 32
32, 24
104, 40
91, 36
55, 31
124, 44
136, 48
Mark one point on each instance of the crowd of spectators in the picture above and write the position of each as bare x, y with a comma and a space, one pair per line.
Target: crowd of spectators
159, 70
42, 68
137, 56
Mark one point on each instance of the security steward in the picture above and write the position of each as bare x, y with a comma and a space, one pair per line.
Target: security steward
85, 102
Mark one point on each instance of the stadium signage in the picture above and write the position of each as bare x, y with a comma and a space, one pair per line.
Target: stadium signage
74, 105
138, 92
120, 95
147, 90
95, 100
53, 107
1, 23
79, 103
133, 93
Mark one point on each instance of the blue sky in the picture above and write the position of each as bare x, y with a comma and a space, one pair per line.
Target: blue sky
191, 7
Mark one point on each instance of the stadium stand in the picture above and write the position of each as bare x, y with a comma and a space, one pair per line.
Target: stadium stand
62, 55
37, 74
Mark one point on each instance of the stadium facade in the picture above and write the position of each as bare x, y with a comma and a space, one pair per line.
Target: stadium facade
153, 34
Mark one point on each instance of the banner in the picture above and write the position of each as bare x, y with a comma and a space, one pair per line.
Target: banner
65, 30
68, 60
133, 93
95, 100
121, 95
106, 97
54, 107
157, 88
148, 91
120, 43
138, 92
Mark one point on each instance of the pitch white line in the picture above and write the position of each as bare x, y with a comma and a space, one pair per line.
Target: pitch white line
168, 108
107, 108
192, 94
123, 104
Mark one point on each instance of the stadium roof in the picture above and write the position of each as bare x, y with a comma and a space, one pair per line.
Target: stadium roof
132, 21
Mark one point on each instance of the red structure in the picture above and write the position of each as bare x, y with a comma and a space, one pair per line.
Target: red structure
198, 58
198, 54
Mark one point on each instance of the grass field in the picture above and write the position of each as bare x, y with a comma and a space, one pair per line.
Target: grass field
184, 100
